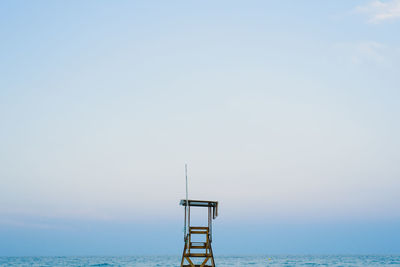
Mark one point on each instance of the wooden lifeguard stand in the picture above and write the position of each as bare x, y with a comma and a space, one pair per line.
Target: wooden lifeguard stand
202, 249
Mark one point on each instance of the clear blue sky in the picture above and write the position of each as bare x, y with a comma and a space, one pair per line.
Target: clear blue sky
287, 112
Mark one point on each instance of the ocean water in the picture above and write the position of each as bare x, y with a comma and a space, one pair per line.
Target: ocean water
224, 261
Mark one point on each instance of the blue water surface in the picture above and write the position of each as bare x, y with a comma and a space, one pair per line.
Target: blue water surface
221, 261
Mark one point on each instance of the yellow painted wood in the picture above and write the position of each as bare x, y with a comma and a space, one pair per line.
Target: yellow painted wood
200, 250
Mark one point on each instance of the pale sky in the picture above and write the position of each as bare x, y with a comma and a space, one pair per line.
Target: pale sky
285, 111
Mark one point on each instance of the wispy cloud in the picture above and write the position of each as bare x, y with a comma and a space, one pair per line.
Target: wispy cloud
364, 52
372, 51
380, 11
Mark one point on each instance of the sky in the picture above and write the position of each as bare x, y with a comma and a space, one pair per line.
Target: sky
285, 111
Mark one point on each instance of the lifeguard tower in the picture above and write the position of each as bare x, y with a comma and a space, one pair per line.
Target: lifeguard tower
194, 250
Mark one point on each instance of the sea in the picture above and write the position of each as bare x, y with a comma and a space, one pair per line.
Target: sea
220, 261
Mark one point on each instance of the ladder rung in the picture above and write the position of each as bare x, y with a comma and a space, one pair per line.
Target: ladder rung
198, 247
198, 232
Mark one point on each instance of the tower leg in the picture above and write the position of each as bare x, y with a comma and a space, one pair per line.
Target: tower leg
204, 262
212, 257
183, 255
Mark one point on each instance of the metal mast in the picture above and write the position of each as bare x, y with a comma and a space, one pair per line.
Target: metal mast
187, 193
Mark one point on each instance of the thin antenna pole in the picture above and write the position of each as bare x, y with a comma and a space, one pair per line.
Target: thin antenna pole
187, 193
186, 184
